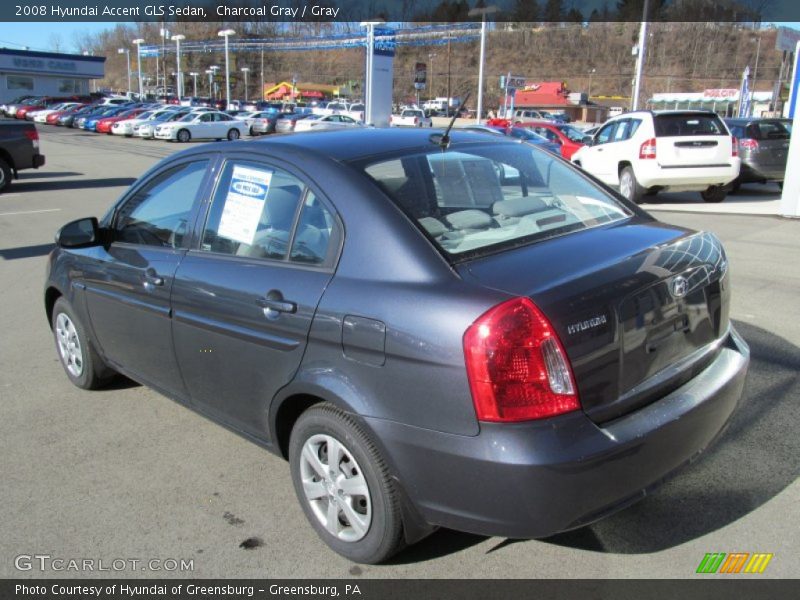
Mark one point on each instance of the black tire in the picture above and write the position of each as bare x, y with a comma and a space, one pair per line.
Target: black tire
716, 193
233, 135
184, 136
384, 534
5, 175
780, 185
252, 133
735, 186
92, 373
631, 188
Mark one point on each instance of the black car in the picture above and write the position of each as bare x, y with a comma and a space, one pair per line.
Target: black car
435, 330
763, 148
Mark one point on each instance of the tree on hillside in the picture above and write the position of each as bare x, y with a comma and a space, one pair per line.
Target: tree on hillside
554, 11
525, 11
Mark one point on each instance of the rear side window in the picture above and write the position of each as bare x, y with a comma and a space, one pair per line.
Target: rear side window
679, 125
262, 212
482, 199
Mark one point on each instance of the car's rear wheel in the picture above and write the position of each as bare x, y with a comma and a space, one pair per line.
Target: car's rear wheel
184, 136
82, 364
344, 486
716, 193
5, 175
629, 187
233, 134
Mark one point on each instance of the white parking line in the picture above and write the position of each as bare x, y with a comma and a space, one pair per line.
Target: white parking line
29, 212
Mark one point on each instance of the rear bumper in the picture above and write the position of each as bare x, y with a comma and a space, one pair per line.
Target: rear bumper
535, 479
758, 172
38, 160
651, 174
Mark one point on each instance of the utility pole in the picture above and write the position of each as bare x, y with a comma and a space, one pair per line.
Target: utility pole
641, 51
431, 93
483, 12
449, 37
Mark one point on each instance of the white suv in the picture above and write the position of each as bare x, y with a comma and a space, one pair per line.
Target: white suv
646, 152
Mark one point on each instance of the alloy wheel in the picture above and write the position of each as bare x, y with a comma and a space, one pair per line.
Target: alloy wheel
69, 345
335, 488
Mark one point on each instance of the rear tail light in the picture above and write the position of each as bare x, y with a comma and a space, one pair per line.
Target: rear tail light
516, 366
648, 149
748, 144
734, 146
33, 136
416, 120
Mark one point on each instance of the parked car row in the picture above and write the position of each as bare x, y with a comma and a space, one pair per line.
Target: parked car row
119, 116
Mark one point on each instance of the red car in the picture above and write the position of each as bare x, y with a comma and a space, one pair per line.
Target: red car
53, 118
104, 125
568, 137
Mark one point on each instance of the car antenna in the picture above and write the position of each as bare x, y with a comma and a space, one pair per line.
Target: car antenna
444, 139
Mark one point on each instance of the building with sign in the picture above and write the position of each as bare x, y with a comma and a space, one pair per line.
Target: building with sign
553, 96
23, 72
724, 101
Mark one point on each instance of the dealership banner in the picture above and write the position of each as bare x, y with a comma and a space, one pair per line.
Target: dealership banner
389, 11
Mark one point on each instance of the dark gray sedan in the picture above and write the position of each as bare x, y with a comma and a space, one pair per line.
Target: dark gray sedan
466, 332
763, 148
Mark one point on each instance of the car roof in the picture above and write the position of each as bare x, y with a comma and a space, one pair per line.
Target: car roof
351, 144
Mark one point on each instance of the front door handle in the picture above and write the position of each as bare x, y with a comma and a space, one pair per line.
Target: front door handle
151, 278
274, 303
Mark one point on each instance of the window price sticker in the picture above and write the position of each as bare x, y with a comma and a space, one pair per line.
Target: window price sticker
244, 204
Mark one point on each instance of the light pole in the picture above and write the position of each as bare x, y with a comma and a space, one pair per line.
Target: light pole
641, 51
589, 93
226, 33
473, 13
138, 43
245, 70
431, 95
178, 39
210, 73
194, 75
127, 52
755, 74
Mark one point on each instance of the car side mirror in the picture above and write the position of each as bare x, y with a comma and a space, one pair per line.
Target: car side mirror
79, 234
588, 140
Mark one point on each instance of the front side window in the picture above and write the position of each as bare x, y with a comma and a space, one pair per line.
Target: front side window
475, 201
157, 214
259, 211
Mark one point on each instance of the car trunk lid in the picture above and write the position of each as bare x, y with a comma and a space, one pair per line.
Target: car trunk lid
638, 311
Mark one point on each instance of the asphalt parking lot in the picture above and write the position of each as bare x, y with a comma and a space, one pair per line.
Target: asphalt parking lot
125, 473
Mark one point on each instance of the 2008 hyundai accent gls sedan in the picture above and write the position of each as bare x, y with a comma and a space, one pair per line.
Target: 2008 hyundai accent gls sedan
454, 331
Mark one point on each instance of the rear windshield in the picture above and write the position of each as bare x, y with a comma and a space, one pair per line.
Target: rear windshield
677, 125
482, 199
768, 130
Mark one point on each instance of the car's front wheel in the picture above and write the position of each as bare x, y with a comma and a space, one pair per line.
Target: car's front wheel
184, 136
716, 193
82, 364
344, 486
233, 134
